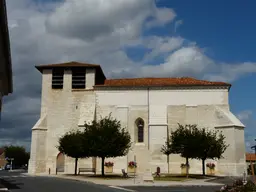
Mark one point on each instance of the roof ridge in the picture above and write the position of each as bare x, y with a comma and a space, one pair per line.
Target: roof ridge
66, 63
161, 81
153, 78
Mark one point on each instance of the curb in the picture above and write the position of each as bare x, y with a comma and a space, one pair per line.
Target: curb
208, 184
17, 170
66, 178
171, 185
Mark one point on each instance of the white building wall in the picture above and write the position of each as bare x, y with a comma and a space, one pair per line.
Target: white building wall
163, 97
157, 107
62, 107
169, 107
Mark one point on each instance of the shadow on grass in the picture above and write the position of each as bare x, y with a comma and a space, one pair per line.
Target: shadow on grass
180, 177
163, 177
98, 176
225, 180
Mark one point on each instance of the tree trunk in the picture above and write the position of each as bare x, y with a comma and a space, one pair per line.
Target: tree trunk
76, 160
168, 163
102, 166
203, 166
187, 167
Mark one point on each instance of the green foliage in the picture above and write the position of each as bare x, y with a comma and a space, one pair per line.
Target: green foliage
18, 153
192, 142
72, 144
167, 148
107, 138
183, 141
211, 145
104, 138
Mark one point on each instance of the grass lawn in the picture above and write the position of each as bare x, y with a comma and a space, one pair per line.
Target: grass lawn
110, 176
179, 177
164, 177
106, 176
170, 178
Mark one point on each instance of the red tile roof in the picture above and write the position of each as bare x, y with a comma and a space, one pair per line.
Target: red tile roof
250, 157
183, 81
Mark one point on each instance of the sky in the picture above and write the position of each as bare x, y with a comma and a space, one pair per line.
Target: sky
211, 40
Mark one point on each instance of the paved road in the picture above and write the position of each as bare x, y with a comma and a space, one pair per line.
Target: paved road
17, 182
175, 189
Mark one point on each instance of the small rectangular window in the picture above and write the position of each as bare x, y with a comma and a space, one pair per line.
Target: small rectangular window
78, 79
57, 78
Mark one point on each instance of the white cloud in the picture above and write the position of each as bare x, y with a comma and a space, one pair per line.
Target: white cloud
244, 115
161, 45
96, 31
162, 17
92, 19
231, 72
247, 118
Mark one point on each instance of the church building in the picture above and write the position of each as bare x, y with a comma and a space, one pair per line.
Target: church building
149, 108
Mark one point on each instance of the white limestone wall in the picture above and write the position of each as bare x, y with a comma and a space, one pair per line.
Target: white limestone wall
128, 115
162, 97
37, 159
240, 150
90, 78
62, 107
166, 107
233, 161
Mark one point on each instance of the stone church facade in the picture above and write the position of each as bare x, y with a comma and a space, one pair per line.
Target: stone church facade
150, 108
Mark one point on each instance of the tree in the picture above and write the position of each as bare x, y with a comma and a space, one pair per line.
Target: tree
211, 145
18, 154
107, 138
183, 142
167, 150
73, 145
193, 142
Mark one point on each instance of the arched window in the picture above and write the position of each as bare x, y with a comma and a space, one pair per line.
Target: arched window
140, 130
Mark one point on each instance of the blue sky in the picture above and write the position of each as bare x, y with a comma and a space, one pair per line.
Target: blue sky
212, 40
227, 30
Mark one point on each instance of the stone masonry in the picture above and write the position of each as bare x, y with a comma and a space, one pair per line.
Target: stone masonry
161, 108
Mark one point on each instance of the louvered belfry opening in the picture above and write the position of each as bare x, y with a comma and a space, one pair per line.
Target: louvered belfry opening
57, 78
78, 78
